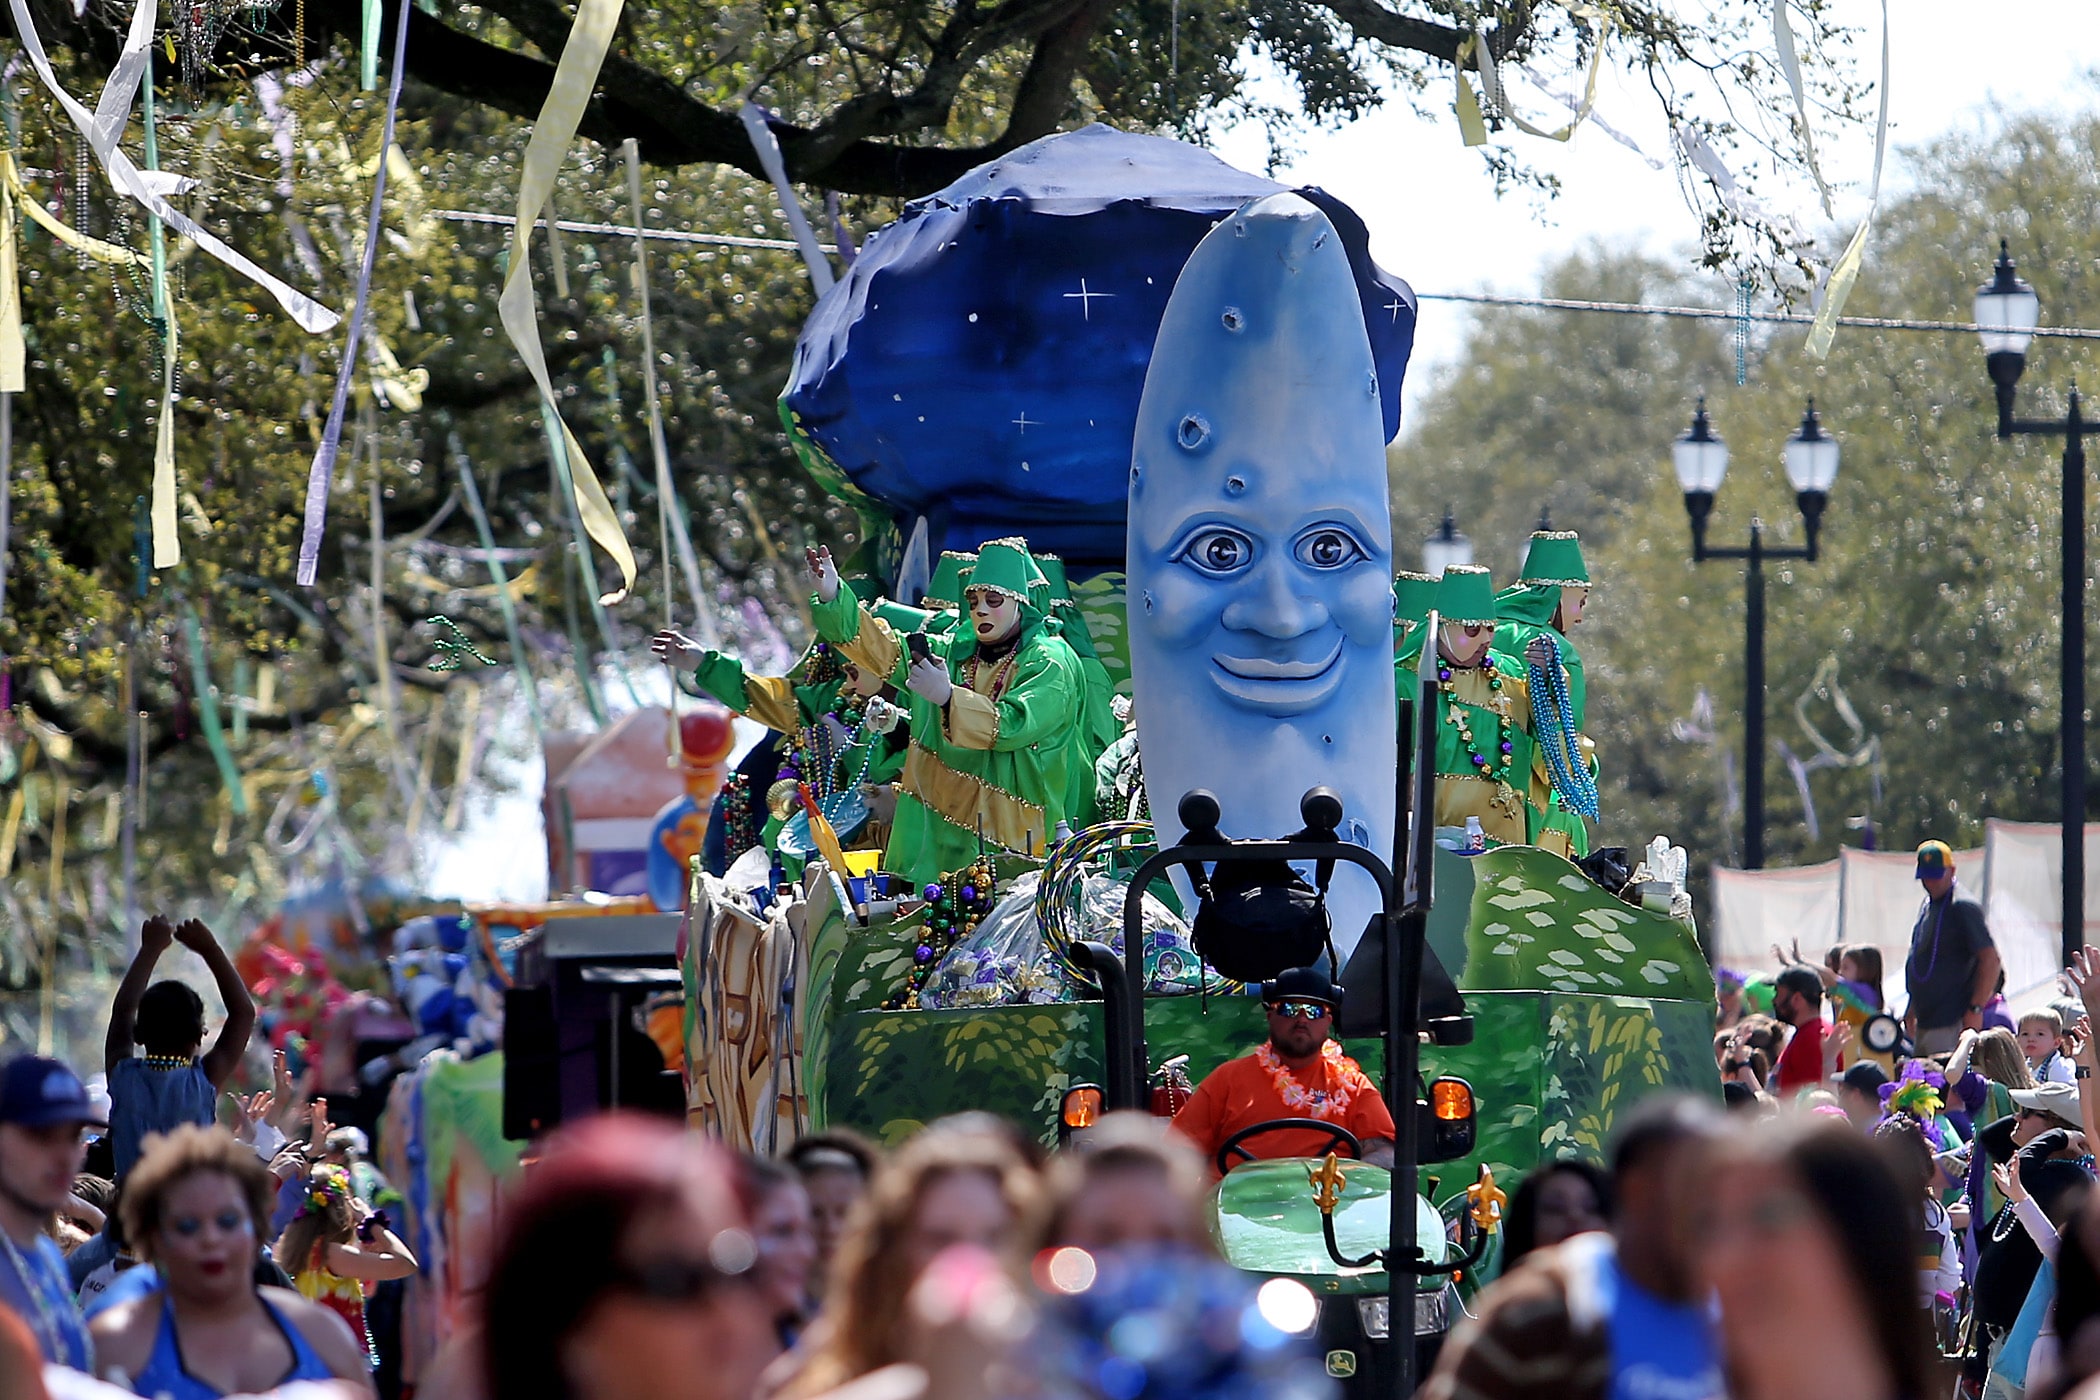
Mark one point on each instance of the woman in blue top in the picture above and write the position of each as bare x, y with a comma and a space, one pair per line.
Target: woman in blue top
192, 1208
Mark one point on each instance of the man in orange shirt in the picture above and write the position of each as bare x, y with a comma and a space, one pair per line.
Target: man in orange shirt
1299, 1073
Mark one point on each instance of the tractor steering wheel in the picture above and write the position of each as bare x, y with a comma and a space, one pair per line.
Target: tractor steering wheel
1338, 1137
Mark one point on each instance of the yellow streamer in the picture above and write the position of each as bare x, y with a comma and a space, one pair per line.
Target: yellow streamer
11, 832
1474, 48
72, 237
1491, 80
14, 355
58, 839
1846, 270
1470, 126
15, 200
574, 78
167, 544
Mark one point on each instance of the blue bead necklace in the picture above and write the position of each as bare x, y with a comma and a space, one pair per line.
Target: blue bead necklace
1553, 722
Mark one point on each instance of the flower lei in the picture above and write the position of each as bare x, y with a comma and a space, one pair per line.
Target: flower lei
1313, 1103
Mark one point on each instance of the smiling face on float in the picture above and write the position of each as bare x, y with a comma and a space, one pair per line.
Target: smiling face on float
1259, 552
1274, 604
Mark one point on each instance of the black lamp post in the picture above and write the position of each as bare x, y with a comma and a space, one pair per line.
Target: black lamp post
1701, 459
1444, 547
2007, 311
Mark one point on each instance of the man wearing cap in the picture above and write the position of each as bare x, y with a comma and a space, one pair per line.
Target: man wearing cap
43, 1109
1952, 970
1297, 1073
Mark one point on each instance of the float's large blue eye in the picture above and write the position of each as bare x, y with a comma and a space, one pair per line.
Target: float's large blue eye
1329, 547
1217, 551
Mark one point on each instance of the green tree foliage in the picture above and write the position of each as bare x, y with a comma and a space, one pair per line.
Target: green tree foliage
302, 667
900, 97
1937, 593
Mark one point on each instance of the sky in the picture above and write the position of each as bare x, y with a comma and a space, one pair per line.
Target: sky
1435, 220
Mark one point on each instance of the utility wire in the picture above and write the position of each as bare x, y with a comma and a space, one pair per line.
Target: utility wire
1611, 308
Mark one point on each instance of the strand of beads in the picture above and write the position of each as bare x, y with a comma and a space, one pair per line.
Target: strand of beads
954, 908
1553, 721
1506, 747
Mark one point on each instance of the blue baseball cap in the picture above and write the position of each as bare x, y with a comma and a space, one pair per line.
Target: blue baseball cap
36, 1092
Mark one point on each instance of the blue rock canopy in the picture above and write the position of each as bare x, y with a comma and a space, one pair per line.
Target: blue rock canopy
980, 362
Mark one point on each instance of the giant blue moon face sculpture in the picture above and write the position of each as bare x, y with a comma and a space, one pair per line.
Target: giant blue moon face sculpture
1260, 544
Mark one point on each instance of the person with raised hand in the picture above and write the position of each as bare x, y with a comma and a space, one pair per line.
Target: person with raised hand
171, 1084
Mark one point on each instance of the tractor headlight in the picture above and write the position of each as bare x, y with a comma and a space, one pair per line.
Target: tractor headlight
1432, 1315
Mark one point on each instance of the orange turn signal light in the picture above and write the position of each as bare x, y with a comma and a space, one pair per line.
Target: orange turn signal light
1082, 1106
1451, 1100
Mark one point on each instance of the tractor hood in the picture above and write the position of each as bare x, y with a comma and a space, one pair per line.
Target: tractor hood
1264, 1221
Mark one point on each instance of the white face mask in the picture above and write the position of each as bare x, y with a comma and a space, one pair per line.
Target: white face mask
993, 615
1465, 645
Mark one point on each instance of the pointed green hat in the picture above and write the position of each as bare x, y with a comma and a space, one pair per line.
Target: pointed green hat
1053, 571
1555, 561
1007, 566
1413, 596
944, 589
1466, 596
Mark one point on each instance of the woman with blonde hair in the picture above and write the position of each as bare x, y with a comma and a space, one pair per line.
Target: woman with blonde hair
1997, 1057
1132, 1182
336, 1245
949, 1186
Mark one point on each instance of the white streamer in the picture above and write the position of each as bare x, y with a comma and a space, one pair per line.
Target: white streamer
1790, 65
768, 148
105, 125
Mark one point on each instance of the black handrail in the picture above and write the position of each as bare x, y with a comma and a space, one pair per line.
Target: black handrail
1403, 924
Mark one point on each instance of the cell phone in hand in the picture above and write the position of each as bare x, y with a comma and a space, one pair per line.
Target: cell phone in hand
916, 644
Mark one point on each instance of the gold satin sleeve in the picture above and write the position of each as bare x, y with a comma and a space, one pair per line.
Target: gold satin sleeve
875, 648
770, 700
970, 720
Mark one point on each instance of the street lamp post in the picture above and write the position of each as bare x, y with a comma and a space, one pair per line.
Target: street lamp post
1445, 547
1701, 460
2007, 311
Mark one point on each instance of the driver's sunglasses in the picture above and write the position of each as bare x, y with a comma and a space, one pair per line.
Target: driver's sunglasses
1305, 1010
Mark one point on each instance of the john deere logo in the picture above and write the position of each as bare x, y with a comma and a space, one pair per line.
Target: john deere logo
1341, 1364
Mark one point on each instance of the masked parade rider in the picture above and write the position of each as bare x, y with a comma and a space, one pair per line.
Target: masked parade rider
997, 757
1486, 758
1299, 1073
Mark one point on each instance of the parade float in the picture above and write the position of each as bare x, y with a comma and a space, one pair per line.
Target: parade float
1113, 415
1107, 405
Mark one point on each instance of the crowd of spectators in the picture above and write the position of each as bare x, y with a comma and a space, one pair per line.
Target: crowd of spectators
1840, 1223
